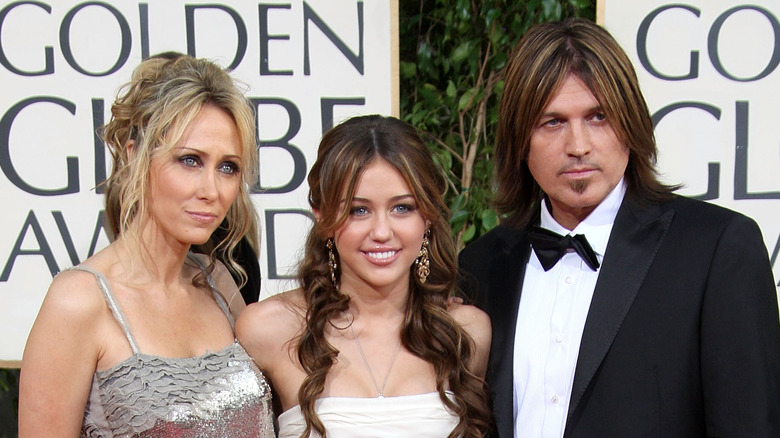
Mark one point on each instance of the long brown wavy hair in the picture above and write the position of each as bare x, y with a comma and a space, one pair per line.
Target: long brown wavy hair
428, 331
150, 115
538, 66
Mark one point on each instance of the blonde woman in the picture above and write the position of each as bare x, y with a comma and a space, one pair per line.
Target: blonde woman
138, 339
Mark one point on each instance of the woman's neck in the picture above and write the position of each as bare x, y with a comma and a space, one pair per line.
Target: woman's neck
372, 304
148, 259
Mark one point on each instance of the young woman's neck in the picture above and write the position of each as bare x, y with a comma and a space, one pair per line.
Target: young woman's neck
371, 304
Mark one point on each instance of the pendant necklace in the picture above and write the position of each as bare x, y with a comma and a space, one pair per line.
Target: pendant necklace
379, 389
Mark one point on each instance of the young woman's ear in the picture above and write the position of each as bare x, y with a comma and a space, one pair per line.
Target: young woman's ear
317, 215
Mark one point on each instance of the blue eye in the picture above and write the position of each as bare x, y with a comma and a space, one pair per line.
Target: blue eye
404, 208
229, 168
189, 160
358, 210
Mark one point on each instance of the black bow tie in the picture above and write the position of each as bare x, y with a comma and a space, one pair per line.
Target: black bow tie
550, 247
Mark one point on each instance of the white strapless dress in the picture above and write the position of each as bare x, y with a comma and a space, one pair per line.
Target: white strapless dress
420, 416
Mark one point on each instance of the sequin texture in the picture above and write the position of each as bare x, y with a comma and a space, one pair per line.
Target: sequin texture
216, 395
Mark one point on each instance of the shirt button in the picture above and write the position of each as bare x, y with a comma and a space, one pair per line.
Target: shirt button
568, 280
559, 339
554, 399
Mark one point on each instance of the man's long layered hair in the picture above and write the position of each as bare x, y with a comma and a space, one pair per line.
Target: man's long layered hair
541, 61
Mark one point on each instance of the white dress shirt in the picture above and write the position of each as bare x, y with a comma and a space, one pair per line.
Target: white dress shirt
550, 321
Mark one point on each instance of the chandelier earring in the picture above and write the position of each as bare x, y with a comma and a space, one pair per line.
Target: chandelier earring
332, 264
423, 263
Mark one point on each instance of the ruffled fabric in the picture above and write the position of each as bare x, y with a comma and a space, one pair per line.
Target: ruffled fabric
220, 394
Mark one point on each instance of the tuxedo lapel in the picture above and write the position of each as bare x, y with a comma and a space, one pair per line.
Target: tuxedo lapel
508, 270
636, 236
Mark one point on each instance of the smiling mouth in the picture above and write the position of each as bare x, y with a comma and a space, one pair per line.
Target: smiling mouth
384, 255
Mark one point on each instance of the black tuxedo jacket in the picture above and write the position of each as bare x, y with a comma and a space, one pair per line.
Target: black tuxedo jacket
682, 338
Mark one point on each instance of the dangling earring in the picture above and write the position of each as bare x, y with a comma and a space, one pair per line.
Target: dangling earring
332, 262
423, 262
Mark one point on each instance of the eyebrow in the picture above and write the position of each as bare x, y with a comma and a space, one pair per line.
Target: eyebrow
593, 109
188, 148
393, 199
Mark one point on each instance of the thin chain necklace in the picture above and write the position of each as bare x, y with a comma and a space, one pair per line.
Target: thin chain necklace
379, 390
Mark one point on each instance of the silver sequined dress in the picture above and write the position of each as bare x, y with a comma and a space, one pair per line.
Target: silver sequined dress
218, 394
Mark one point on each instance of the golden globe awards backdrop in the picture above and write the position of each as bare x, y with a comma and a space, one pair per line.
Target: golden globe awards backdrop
710, 72
305, 64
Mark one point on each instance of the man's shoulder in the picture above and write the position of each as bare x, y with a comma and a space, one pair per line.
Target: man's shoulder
479, 261
703, 212
500, 238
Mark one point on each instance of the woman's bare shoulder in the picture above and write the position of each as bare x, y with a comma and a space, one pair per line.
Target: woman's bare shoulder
76, 293
475, 321
275, 319
468, 315
282, 305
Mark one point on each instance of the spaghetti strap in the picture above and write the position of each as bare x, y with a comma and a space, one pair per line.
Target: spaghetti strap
112, 304
217, 295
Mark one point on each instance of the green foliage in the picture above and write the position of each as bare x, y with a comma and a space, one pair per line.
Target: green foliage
9, 401
453, 54
6, 379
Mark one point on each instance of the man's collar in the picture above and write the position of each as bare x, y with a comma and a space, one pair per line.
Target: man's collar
597, 225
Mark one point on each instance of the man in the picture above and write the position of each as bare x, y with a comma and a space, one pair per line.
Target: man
668, 326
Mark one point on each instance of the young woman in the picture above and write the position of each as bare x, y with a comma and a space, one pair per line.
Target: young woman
138, 339
368, 346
